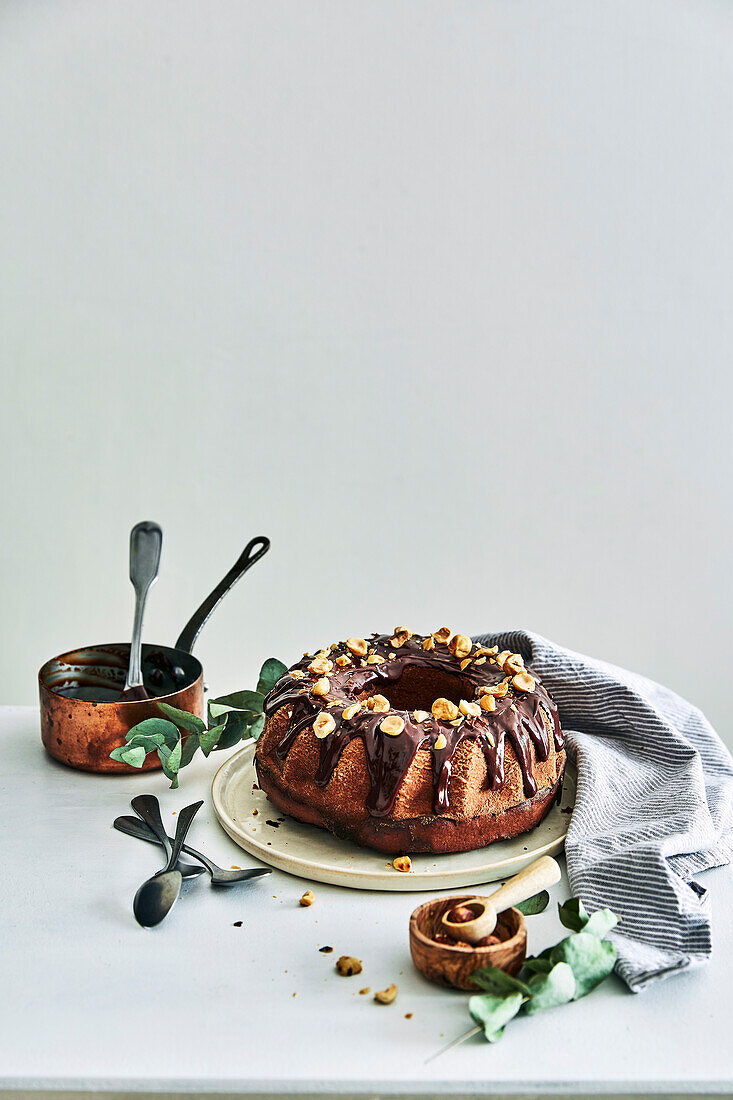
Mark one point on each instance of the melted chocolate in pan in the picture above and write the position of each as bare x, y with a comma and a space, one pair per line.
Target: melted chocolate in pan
102, 678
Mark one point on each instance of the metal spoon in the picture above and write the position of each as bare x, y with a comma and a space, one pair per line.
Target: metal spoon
188, 870
146, 540
156, 897
219, 876
147, 807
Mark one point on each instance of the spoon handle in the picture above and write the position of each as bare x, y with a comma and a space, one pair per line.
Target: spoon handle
133, 827
147, 808
538, 876
183, 824
146, 540
544, 872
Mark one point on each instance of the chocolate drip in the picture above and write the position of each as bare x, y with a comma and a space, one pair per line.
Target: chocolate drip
518, 717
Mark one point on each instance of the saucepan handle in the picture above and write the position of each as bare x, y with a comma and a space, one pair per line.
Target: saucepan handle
252, 552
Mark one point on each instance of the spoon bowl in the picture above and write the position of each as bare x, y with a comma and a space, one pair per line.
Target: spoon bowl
156, 897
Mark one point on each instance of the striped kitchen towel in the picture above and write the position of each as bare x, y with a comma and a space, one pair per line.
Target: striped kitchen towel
654, 805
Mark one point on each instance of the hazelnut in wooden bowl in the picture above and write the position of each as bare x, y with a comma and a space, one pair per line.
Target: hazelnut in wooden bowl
451, 963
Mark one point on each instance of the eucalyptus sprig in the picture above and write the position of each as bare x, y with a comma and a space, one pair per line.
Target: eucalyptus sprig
176, 736
566, 972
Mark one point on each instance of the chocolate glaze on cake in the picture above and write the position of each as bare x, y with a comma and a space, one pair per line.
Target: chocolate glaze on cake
347, 691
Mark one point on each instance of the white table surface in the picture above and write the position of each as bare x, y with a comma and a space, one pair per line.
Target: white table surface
90, 1001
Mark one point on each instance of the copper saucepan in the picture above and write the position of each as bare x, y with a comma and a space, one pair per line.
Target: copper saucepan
82, 718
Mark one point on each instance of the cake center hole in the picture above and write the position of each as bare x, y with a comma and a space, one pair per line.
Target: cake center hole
418, 688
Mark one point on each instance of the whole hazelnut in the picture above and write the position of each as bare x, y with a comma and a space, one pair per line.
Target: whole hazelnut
461, 914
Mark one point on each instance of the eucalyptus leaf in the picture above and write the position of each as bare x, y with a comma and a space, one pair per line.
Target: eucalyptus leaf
573, 914
183, 718
498, 982
257, 726
134, 755
536, 904
188, 749
154, 728
170, 760
237, 727
601, 922
148, 744
494, 1013
590, 959
209, 738
239, 700
129, 754
270, 673
549, 990
536, 965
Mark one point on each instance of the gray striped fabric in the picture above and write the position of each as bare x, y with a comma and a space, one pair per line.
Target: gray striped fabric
654, 805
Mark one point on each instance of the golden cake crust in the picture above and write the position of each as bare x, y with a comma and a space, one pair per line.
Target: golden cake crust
478, 816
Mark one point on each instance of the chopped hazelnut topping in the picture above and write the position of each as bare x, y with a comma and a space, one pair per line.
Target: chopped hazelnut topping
523, 682
323, 725
420, 715
488, 702
402, 863
429, 643
460, 645
375, 659
499, 690
515, 663
366, 989
307, 899
392, 725
471, 710
357, 646
444, 710
480, 661
440, 741
321, 666
296, 674
489, 652
386, 996
350, 711
322, 686
378, 703
466, 662
501, 657
442, 635
347, 965
401, 634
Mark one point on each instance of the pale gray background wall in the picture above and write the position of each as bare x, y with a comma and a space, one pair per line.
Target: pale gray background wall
437, 295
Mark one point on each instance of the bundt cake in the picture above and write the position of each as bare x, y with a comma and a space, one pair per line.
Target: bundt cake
411, 743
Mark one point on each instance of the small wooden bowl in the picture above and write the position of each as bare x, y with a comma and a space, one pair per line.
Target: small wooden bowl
453, 966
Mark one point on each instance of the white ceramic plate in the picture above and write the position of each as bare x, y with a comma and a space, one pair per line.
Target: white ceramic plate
314, 854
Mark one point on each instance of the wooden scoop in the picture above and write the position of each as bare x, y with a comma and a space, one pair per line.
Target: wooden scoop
538, 876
